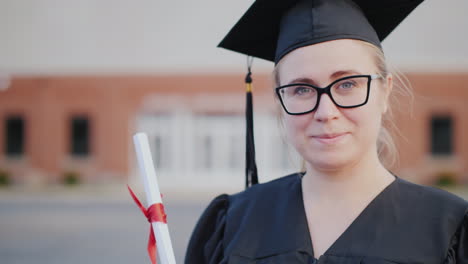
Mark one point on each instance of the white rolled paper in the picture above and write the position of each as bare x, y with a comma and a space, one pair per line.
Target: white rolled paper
153, 195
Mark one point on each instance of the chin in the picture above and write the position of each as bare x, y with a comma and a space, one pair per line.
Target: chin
331, 161
329, 166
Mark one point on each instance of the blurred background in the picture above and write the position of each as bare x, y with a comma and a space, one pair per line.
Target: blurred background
79, 78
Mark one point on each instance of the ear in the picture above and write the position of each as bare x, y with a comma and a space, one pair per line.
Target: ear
387, 91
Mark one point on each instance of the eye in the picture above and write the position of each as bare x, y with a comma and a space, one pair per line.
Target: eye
347, 85
302, 90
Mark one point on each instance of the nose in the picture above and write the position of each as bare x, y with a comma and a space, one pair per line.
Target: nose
326, 109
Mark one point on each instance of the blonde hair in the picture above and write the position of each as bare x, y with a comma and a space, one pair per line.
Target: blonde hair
386, 147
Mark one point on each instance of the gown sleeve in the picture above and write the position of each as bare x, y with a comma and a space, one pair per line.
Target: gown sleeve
458, 250
206, 244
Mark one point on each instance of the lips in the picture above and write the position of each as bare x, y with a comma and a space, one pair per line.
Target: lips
329, 138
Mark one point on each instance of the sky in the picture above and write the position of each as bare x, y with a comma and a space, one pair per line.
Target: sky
155, 36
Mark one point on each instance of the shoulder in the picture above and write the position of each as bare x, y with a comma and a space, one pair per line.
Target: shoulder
236, 217
254, 197
431, 197
266, 187
264, 192
207, 236
433, 210
441, 217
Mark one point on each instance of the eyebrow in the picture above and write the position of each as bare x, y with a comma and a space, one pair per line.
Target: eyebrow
334, 75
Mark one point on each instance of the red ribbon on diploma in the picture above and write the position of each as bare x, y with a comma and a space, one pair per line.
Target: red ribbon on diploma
154, 213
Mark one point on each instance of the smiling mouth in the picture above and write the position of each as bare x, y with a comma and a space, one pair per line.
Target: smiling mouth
329, 138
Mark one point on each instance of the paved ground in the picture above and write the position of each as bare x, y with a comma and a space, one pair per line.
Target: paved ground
63, 228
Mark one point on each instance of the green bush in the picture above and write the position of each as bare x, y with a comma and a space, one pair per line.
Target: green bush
71, 178
4, 178
446, 179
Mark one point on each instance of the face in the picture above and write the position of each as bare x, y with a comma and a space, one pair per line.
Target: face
333, 138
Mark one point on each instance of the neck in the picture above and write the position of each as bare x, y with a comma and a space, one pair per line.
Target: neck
363, 177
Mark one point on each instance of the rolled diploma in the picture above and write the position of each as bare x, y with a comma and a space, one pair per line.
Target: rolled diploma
148, 173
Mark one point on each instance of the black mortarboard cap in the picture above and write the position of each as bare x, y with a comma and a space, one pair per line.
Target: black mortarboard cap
272, 28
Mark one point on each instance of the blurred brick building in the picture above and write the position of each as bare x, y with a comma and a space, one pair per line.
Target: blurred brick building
58, 124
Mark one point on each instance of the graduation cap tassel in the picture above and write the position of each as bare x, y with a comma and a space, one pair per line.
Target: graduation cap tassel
251, 177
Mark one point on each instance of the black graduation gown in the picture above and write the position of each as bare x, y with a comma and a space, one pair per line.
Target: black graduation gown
405, 223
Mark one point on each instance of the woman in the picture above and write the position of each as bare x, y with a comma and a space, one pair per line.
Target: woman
346, 208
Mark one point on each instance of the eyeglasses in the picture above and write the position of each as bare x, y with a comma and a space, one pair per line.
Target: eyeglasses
347, 92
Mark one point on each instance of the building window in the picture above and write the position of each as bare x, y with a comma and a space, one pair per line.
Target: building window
207, 156
161, 133
162, 152
157, 152
80, 136
441, 135
236, 151
218, 142
14, 137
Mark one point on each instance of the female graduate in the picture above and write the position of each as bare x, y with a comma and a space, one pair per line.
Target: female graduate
334, 88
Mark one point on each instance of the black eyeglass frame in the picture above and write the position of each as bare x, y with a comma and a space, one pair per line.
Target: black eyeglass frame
327, 90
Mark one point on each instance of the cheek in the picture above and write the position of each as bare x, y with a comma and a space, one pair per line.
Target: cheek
379, 100
371, 113
295, 126
366, 121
